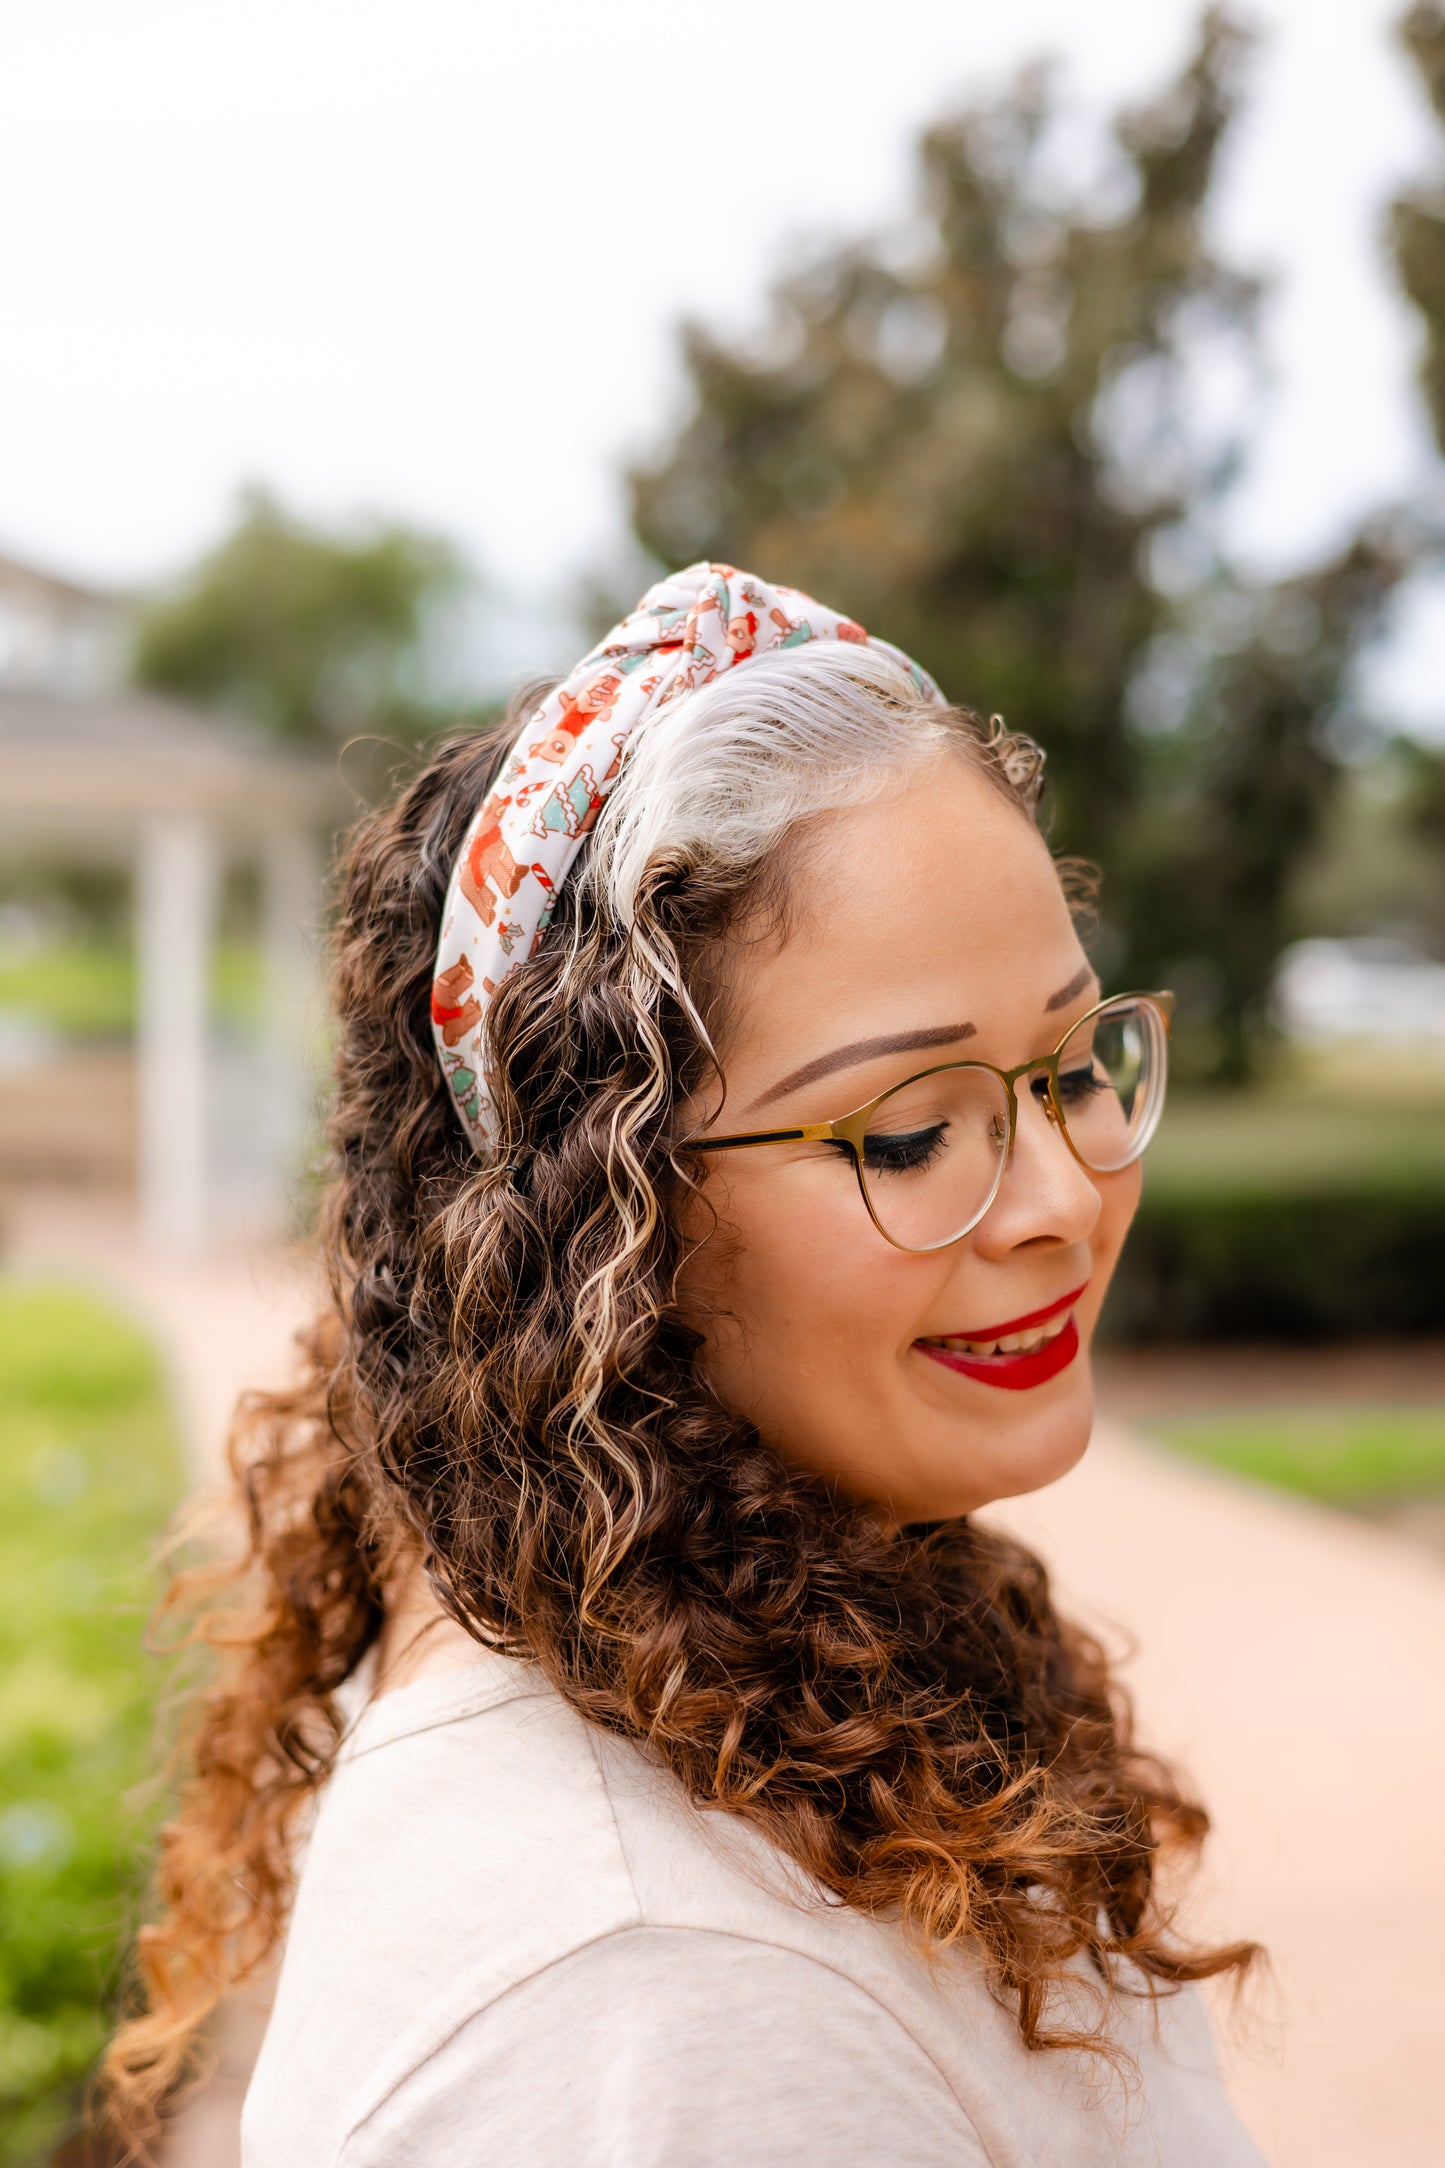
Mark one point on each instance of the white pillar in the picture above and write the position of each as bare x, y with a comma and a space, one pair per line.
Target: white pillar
291, 938
176, 888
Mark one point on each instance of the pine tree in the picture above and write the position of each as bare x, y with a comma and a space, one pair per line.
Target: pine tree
985, 452
973, 451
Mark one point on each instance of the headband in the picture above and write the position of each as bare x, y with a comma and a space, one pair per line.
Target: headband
686, 631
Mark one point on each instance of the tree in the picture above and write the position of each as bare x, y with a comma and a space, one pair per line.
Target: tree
1238, 784
1417, 223
990, 453
972, 452
313, 635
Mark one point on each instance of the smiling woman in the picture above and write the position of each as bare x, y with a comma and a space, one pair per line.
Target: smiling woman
869, 1360
685, 1775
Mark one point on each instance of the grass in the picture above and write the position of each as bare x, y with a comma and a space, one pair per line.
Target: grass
88, 1475
1347, 1456
1280, 1141
86, 990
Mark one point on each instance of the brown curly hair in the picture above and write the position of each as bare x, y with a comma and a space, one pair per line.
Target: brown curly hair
505, 1386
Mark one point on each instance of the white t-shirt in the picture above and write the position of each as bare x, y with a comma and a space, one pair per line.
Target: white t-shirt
517, 1945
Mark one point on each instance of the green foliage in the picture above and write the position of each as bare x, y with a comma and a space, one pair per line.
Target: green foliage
86, 990
1417, 224
87, 1477
1342, 1455
1336, 1262
1235, 796
972, 452
1287, 1218
1425, 797
313, 635
985, 453
1379, 860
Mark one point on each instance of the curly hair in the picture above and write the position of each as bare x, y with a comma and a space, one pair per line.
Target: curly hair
505, 1386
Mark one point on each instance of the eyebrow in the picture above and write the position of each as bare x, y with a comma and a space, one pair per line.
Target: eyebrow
845, 1057
1076, 985
904, 1042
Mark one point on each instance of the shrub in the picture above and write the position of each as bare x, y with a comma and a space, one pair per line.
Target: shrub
1269, 1221
88, 1474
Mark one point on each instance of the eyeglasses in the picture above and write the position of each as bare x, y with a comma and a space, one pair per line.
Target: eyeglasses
930, 1153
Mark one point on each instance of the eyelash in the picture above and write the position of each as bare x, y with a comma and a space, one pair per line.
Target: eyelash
1081, 1083
900, 1154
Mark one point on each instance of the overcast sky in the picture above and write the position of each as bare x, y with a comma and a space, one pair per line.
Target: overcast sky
426, 256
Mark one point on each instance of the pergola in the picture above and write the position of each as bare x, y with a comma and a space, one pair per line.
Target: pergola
125, 778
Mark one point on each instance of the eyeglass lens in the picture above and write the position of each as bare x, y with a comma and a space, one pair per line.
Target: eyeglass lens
1111, 1083
934, 1148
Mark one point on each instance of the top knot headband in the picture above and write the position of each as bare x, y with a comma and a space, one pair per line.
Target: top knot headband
685, 632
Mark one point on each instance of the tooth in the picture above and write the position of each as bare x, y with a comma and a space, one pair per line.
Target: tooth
1013, 1343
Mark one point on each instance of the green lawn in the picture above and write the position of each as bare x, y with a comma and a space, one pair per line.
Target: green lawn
1346, 1456
88, 991
88, 1475
1279, 1141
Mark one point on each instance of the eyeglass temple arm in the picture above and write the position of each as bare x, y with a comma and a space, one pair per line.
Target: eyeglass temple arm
815, 1133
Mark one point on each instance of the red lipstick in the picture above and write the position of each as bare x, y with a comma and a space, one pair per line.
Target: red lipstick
1015, 1372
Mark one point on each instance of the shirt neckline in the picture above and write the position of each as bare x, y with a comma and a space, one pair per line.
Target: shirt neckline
447, 1698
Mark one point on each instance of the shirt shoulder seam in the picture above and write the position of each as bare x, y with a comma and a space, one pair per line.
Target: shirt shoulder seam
616, 1824
643, 1926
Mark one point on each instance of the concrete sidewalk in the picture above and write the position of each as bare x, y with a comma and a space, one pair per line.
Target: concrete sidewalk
1289, 1658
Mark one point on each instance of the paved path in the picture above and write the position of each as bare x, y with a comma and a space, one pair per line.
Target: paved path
1290, 1658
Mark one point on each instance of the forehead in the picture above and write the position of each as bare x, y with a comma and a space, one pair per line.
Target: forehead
934, 904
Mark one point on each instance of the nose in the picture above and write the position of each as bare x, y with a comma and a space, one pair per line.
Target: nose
1045, 1195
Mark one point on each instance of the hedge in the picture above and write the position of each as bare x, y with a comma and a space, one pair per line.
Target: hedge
1303, 1264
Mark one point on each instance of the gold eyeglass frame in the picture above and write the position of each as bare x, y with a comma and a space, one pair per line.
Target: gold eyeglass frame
850, 1129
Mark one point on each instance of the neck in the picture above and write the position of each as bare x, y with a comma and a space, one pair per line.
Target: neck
418, 1638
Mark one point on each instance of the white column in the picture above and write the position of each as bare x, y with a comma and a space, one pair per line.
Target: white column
176, 887
291, 938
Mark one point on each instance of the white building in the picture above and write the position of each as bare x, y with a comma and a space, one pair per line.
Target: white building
57, 636
1376, 988
95, 772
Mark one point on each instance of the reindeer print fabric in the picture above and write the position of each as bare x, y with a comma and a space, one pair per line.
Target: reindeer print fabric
686, 631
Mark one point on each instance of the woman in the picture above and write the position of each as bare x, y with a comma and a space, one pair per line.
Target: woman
732, 1152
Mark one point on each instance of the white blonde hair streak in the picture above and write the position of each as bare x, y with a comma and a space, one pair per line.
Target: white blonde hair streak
722, 775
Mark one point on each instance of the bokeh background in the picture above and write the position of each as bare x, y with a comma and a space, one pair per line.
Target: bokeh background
357, 360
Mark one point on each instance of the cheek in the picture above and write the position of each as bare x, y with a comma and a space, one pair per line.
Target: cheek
1118, 1202
797, 1304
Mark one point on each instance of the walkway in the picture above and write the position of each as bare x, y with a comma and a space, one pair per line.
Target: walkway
1290, 1659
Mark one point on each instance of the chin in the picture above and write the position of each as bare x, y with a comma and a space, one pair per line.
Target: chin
1026, 1452
1058, 1446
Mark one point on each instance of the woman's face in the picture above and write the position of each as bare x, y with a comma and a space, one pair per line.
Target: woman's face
930, 911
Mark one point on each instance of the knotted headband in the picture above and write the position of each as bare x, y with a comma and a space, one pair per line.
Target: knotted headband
685, 632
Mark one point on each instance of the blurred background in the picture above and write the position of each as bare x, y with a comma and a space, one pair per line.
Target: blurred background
358, 360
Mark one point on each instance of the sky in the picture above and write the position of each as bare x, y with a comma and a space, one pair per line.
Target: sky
427, 257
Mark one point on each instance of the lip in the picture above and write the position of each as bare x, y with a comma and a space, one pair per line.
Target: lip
1017, 1373
1022, 1324
1014, 1373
